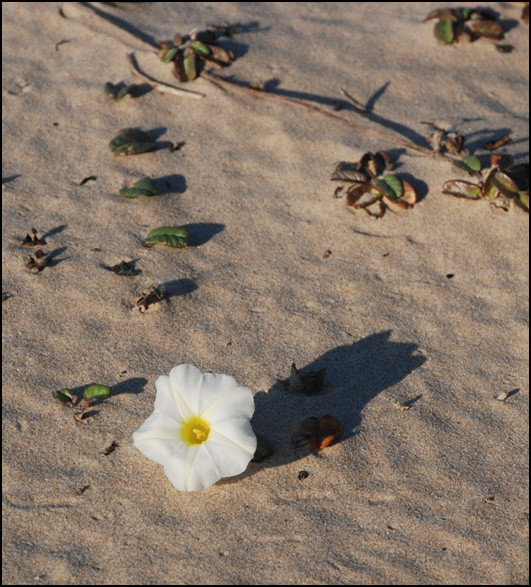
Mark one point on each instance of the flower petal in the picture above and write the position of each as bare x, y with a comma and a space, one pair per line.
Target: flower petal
165, 400
214, 387
235, 403
200, 471
236, 433
229, 455
186, 385
164, 450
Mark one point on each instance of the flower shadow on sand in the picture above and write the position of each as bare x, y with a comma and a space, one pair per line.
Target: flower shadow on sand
356, 373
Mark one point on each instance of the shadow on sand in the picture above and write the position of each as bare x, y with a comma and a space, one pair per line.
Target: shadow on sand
356, 373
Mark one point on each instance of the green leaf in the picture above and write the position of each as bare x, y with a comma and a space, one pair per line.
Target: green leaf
444, 31
392, 188
142, 187
395, 184
462, 189
169, 235
200, 48
462, 13
503, 183
169, 55
190, 66
117, 91
523, 201
64, 395
131, 141
471, 164
95, 392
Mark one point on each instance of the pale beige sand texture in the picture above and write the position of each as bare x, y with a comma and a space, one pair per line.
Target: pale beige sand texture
433, 495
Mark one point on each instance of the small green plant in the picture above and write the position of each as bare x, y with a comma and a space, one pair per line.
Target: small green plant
118, 91
370, 188
91, 394
189, 53
469, 24
496, 184
131, 141
142, 187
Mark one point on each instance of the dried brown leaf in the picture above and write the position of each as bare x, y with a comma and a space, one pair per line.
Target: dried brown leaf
497, 143
308, 383
321, 433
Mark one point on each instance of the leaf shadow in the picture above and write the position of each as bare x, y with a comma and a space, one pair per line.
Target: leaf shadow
133, 386
54, 254
200, 233
10, 178
54, 231
421, 187
356, 374
178, 287
171, 184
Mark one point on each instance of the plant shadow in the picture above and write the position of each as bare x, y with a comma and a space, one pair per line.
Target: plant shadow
171, 184
178, 287
201, 232
121, 23
356, 374
54, 260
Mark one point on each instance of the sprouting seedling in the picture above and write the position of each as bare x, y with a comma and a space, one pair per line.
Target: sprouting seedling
155, 294
369, 189
172, 236
142, 187
131, 141
495, 184
124, 269
118, 91
65, 395
470, 24
190, 53
91, 394
33, 240
39, 261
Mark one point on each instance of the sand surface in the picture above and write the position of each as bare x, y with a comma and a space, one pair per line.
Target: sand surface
436, 494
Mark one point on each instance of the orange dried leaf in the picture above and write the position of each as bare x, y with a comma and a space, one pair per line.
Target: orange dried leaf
321, 433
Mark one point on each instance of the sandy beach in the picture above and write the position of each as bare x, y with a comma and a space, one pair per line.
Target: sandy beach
420, 317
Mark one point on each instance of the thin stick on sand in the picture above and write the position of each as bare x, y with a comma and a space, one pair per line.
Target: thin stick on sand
159, 86
222, 82
355, 101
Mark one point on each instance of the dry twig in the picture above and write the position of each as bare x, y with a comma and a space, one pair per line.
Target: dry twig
216, 79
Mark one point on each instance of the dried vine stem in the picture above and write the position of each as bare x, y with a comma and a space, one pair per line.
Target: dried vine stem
222, 82
216, 79
159, 86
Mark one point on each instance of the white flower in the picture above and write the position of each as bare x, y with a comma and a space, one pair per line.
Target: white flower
200, 430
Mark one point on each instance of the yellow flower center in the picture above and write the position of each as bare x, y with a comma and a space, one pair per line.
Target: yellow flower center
195, 430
